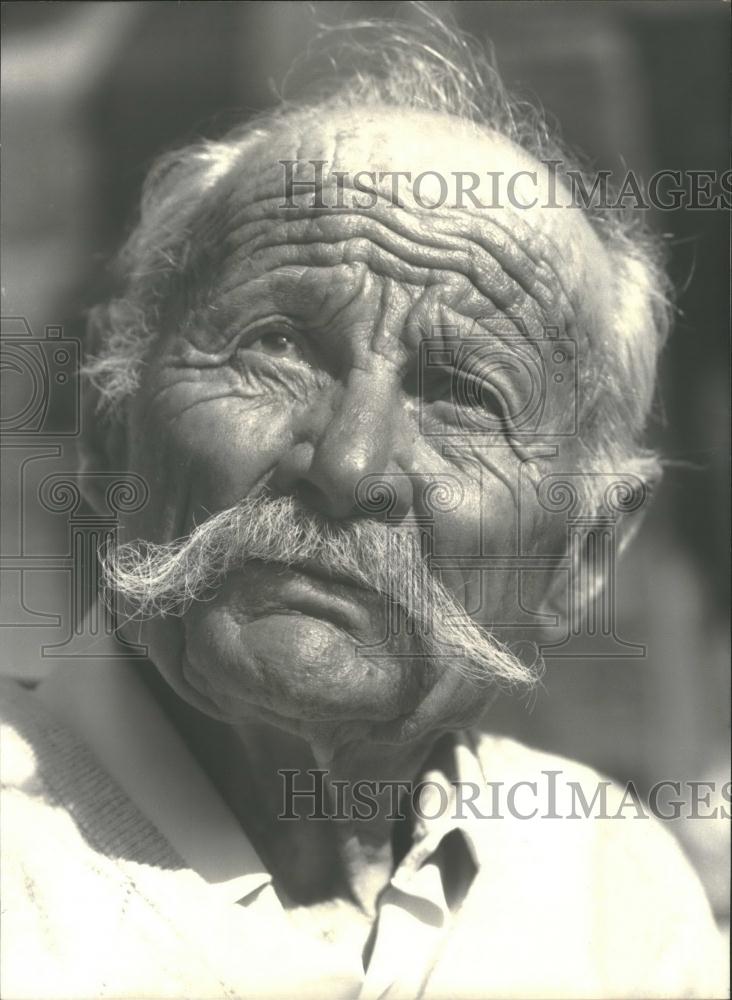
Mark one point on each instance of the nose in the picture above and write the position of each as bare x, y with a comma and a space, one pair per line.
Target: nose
349, 467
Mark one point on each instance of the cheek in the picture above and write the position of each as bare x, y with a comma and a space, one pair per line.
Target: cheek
230, 447
203, 458
497, 551
468, 539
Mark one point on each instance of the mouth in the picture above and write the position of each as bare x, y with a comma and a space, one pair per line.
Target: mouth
313, 591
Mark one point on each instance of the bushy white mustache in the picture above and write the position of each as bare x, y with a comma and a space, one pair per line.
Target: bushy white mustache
157, 579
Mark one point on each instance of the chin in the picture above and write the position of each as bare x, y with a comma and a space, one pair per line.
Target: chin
288, 666
304, 675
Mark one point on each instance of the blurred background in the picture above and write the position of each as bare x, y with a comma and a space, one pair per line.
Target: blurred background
92, 92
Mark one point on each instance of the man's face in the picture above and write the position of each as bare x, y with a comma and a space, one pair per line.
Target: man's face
299, 372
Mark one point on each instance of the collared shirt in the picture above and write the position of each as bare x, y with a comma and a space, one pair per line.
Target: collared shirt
546, 907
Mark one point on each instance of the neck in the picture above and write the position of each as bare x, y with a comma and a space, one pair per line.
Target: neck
342, 835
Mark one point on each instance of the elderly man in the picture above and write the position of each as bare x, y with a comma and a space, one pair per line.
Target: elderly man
318, 363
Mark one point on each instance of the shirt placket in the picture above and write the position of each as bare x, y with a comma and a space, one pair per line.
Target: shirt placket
412, 922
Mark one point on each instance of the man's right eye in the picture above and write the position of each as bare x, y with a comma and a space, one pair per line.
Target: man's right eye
277, 344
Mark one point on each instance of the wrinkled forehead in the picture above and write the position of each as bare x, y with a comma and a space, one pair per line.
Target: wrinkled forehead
427, 192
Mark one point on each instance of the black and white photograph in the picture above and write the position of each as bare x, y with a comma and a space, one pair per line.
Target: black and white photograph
365, 482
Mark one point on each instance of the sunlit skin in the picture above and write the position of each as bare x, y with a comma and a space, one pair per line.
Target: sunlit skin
293, 368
